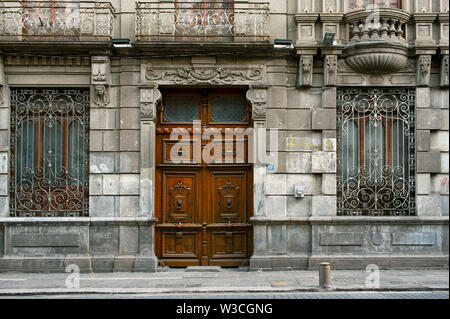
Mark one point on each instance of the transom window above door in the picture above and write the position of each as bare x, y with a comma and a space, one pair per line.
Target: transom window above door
219, 106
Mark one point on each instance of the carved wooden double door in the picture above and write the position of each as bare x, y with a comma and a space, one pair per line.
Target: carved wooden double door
203, 179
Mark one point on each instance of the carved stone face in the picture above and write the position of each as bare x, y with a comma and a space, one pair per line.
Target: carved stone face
99, 89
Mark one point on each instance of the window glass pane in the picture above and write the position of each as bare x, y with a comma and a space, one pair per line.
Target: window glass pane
181, 108
52, 152
350, 152
228, 108
77, 154
374, 150
26, 155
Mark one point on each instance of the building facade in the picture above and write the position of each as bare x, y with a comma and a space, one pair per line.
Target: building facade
271, 134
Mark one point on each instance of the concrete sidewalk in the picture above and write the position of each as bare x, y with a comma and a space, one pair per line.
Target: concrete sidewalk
215, 280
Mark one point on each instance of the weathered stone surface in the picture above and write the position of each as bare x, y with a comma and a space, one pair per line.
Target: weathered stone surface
95, 184
312, 183
110, 141
299, 206
439, 141
129, 206
129, 162
323, 119
4, 141
276, 237
429, 162
298, 239
3, 163
323, 206
302, 141
440, 183
423, 140
428, 205
129, 119
276, 184
3, 184
128, 240
444, 162
298, 162
323, 162
102, 206
329, 97
298, 120
329, 141
329, 184
444, 206
341, 239
276, 205
4, 206
129, 184
111, 184
413, 239
428, 119
129, 96
4, 119
104, 240
277, 97
423, 184
129, 140
103, 119
102, 163
45, 240
423, 97
276, 118
95, 141
444, 120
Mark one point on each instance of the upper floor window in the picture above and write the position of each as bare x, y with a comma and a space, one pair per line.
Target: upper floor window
369, 4
376, 152
49, 152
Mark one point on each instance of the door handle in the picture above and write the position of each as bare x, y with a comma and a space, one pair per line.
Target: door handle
229, 204
179, 204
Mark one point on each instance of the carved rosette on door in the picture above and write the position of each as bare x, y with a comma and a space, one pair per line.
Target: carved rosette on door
203, 203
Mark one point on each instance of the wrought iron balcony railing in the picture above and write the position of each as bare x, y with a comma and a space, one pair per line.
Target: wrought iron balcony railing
56, 21
202, 22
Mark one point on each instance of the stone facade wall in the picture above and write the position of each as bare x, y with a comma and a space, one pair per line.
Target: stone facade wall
299, 86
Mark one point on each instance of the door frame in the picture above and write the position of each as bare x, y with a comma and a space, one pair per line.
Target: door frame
150, 97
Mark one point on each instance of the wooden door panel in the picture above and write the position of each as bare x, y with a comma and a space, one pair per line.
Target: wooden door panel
180, 197
229, 197
180, 244
182, 152
225, 244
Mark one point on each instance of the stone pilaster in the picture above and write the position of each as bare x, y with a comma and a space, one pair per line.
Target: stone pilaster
423, 70
305, 71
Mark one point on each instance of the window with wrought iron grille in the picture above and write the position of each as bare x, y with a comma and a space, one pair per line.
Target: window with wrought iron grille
49, 152
376, 152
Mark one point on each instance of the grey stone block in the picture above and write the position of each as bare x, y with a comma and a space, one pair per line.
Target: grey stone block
128, 240
104, 240
329, 184
341, 239
101, 163
429, 205
3, 185
111, 185
83, 263
129, 96
129, 119
298, 162
102, 263
124, 263
323, 206
95, 185
129, 206
299, 206
4, 118
323, 162
298, 120
43, 264
129, 184
45, 240
146, 241
129, 140
276, 238
1, 240
444, 206
129, 162
439, 141
323, 119
102, 206
103, 119
298, 239
423, 184
329, 97
4, 141
276, 118
95, 141
428, 119
423, 97
329, 141
3, 163
423, 140
145, 264
258, 263
4, 207
429, 162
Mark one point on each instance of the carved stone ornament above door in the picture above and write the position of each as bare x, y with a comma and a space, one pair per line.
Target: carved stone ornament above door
209, 75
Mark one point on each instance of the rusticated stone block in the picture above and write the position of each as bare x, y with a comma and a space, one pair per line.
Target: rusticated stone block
4, 206
428, 119
323, 162
423, 184
323, 206
104, 240
3, 163
102, 206
323, 119
298, 120
102, 163
428, 162
429, 205
423, 139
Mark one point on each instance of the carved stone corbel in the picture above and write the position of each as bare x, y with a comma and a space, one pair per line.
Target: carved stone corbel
305, 70
257, 96
423, 70
444, 71
330, 70
101, 79
150, 96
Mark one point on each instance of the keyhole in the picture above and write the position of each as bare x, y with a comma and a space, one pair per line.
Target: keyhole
179, 204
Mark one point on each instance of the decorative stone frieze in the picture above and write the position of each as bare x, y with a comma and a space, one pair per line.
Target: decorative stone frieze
305, 70
330, 70
100, 79
217, 75
423, 70
445, 71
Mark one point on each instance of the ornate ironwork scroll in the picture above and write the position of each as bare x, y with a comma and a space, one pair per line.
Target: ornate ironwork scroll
57, 20
211, 21
49, 152
376, 152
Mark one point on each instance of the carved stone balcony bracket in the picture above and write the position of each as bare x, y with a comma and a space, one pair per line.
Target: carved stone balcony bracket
100, 80
257, 96
149, 97
423, 70
444, 71
305, 71
330, 70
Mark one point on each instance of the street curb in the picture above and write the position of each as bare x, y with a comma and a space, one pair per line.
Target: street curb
155, 291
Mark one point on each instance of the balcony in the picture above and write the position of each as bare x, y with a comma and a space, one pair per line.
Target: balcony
56, 21
378, 40
197, 22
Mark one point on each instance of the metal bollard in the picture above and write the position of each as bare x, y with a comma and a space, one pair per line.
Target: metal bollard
325, 275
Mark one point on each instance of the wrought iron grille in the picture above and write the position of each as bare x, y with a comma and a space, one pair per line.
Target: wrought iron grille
202, 20
376, 152
54, 20
49, 152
